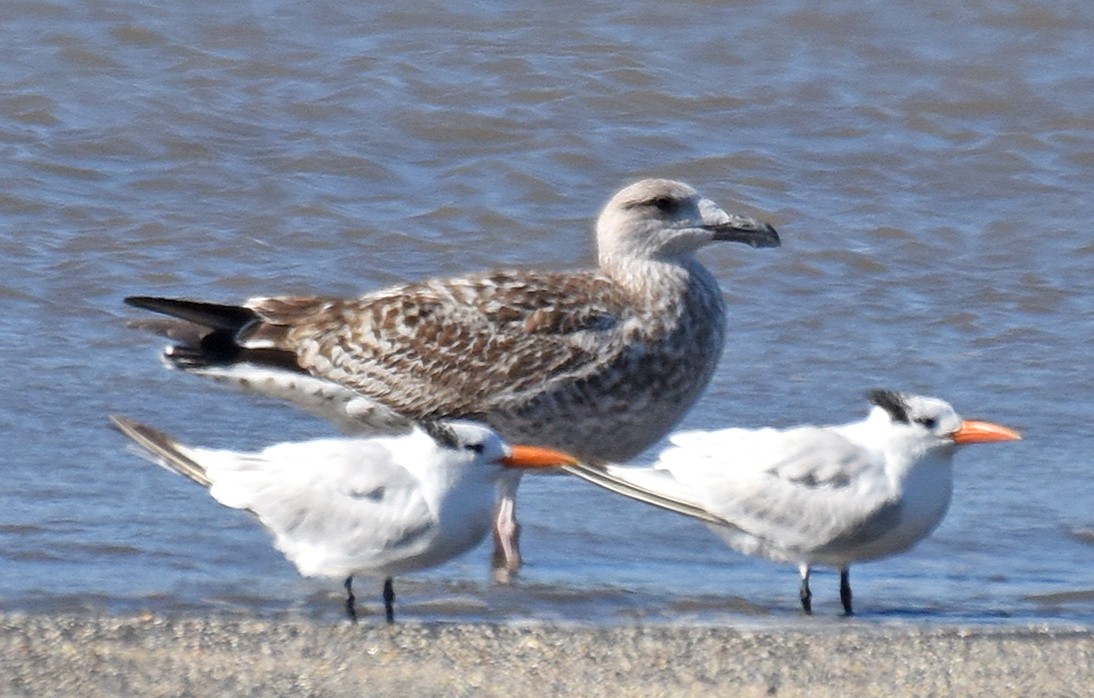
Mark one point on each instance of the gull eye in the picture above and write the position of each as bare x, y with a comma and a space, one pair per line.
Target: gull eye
664, 204
475, 448
929, 422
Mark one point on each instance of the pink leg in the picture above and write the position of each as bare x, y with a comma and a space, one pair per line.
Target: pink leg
506, 560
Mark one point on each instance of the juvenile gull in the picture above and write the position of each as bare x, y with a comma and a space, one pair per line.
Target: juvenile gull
814, 495
601, 363
350, 506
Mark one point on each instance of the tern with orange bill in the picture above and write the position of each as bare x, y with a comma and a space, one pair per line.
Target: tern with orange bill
344, 507
812, 495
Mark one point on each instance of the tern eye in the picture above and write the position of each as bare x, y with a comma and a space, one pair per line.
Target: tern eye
928, 422
664, 204
475, 448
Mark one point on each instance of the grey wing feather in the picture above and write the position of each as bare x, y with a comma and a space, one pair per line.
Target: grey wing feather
801, 486
161, 449
629, 483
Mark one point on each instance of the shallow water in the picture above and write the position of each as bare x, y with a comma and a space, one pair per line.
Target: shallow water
929, 169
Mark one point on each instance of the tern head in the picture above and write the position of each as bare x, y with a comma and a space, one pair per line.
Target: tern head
663, 219
472, 442
935, 421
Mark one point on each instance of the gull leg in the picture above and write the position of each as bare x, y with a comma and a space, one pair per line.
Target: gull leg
845, 589
806, 595
389, 600
351, 610
506, 560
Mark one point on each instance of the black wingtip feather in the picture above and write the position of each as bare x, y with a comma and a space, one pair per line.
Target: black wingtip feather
212, 315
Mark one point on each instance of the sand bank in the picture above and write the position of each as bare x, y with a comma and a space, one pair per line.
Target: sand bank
153, 656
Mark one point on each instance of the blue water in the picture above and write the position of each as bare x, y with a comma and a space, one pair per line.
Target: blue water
929, 169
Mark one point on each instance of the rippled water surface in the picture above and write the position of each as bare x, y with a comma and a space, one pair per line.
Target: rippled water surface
929, 167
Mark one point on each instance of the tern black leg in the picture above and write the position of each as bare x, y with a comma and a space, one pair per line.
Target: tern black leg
351, 609
389, 600
806, 595
845, 590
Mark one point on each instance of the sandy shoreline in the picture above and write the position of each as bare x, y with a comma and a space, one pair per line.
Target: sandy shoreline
153, 656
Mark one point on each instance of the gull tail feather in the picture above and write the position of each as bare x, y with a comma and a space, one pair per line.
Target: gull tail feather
182, 331
161, 449
210, 336
212, 315
625, 481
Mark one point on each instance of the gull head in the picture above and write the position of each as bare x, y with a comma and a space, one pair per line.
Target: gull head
662, 219
934, 422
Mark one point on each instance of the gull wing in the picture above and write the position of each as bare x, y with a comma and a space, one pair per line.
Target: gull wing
455, 346
448, 347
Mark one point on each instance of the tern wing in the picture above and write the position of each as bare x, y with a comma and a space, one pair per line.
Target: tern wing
656, 487
334, 506
794, 490
342, 505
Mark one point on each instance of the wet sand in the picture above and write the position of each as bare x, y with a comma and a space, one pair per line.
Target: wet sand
146, 655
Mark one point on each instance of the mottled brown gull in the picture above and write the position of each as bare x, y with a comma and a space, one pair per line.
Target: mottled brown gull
600, 363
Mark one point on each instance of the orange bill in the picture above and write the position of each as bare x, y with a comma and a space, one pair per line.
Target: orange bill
976, 431
536, 457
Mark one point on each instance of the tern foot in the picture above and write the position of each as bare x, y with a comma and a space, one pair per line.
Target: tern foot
351, 600
389, 600
845, 591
